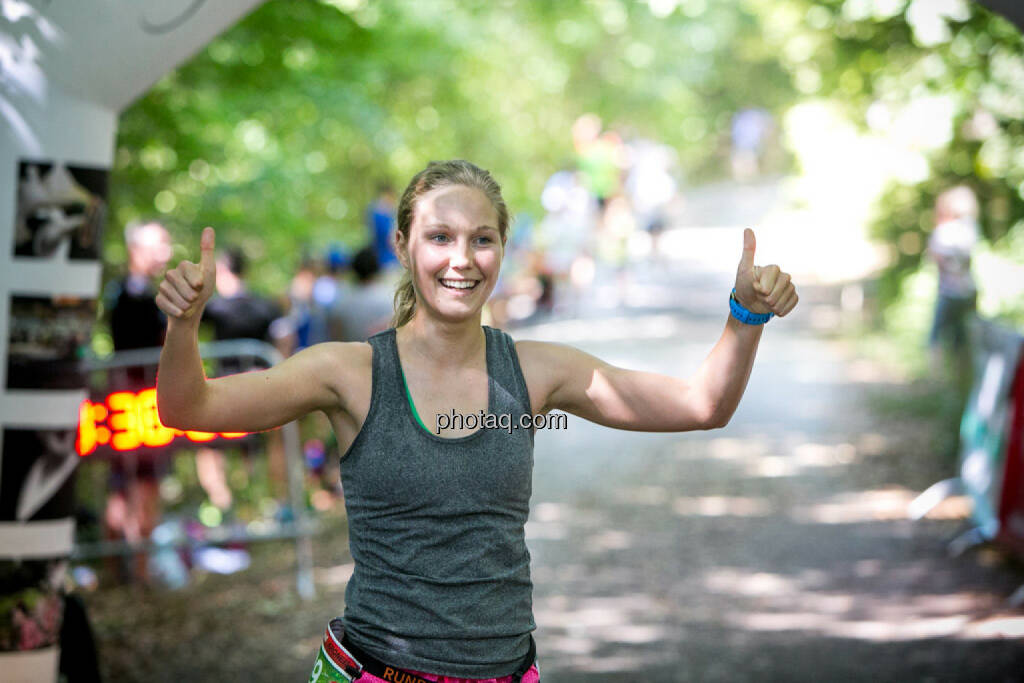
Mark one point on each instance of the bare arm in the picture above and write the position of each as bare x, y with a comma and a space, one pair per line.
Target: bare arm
246, 402
571, 380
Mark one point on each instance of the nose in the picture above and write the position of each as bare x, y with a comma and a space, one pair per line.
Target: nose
460, 255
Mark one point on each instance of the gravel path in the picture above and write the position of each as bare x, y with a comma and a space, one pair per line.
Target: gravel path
776, 549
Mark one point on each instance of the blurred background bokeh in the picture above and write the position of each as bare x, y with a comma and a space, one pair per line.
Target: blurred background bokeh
626, 135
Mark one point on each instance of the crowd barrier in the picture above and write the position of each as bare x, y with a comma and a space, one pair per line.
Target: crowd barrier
120, 420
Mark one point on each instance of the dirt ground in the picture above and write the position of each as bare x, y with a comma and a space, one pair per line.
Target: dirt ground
772, 550
776, 549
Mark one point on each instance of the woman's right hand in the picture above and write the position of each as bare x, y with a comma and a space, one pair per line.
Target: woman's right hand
186, 288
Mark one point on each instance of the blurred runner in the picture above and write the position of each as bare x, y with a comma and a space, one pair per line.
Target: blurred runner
950, 245
749, 130
650, 187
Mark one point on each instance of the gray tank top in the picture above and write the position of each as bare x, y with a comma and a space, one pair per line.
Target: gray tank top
436, 528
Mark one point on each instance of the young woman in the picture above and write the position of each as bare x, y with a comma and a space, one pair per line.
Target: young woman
441, 586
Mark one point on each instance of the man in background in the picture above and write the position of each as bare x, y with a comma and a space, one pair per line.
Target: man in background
236, 313
133, 501
135, 320
366, 308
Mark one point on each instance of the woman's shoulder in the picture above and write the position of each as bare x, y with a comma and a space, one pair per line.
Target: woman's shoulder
541, 353
344, 365
543, 365
552, 363
344, 356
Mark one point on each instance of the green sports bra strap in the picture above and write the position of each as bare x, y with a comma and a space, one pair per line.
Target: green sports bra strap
412, 406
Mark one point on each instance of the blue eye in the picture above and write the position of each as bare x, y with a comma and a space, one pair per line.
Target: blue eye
485, 240
439, 238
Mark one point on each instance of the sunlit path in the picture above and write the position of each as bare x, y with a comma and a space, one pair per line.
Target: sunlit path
774, 549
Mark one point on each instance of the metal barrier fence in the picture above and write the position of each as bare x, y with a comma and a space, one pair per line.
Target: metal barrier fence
301, 528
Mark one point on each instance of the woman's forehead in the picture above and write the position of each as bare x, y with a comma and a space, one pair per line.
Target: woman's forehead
457, 206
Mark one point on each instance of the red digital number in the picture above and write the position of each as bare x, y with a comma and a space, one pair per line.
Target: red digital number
128, 421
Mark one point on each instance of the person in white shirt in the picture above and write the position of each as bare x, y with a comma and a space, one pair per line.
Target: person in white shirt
950, 246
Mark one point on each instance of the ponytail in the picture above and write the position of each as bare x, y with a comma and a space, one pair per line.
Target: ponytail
405, 300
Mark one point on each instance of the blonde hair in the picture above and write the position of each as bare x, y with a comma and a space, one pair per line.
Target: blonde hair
439, 174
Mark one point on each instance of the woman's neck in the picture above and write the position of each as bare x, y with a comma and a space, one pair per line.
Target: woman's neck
442, 343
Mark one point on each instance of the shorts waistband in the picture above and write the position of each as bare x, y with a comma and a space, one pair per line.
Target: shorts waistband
353, 661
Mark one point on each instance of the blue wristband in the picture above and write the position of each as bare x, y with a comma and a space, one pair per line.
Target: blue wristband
743, 315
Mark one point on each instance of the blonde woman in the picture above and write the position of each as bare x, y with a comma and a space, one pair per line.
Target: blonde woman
441, 589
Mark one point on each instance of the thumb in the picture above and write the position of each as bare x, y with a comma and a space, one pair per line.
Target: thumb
749, 244
206, 262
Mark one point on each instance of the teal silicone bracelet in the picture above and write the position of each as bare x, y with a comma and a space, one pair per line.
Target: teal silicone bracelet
743, 315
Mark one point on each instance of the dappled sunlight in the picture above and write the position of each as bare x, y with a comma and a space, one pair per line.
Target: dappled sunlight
721, 506
880, 631
857, 506
872, 443
550, 512
550, 531
574, 331
773, 466
333, 577
642, 495
731, 449
1006, 626
735, 581
604, 541
587, 629
775, 602
824, 455
791, 456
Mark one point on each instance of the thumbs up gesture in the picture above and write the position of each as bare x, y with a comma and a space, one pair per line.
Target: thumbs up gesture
186, 288
763, 289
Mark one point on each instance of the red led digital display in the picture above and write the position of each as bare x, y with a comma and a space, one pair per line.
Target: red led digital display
125, 421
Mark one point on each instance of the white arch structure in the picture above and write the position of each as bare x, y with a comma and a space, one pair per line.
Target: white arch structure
67, 70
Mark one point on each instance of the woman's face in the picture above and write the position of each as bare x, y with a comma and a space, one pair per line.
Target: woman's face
454, 251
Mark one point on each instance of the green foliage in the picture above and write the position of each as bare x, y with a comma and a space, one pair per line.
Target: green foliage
978, 69
279, 131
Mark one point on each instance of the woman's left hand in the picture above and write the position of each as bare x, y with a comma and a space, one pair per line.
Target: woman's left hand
763, 289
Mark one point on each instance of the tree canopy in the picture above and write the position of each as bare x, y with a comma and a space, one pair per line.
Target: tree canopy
280, 130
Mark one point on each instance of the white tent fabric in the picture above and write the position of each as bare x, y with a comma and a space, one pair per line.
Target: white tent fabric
66, 71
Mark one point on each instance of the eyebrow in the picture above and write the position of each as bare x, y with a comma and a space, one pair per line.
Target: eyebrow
431, 226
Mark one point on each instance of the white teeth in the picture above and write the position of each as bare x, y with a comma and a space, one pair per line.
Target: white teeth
459, 284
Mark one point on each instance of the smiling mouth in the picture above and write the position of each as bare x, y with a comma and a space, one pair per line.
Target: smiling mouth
460, 284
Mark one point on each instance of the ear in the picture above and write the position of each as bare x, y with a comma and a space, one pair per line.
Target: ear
400, 244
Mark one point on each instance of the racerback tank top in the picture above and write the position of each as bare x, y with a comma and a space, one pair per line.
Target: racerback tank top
436, 527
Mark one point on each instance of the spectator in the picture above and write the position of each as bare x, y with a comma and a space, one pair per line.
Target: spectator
133, 502
366, 309
236, 313
950, 246
328, 290
380, 219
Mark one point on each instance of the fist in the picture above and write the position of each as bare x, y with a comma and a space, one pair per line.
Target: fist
187, 287
764, 289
